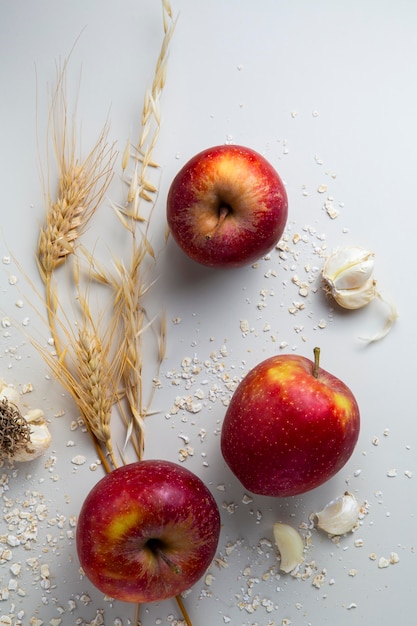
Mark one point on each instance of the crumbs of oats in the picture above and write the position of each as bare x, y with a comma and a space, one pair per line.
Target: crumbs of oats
244, 326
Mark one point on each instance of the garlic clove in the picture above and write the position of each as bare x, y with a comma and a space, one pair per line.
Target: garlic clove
347, 277
348, 268
339, 516
290, 546
356, 298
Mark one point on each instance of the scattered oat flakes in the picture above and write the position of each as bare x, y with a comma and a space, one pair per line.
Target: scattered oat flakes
394, 558
330, 209
78, 460
244, 326
318, 580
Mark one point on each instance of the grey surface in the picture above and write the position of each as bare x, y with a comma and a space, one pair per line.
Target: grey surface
326, 91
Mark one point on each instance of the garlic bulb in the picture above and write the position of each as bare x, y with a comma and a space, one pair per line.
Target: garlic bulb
290, 546
40, 437
348, 277
339, 516
22, 437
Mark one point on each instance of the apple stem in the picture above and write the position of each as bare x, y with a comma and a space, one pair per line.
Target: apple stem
183, 610
223, 213
154, 546
175, 568
316, 362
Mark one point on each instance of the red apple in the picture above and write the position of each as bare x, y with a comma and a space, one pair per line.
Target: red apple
290, 426
147, 531
227, 206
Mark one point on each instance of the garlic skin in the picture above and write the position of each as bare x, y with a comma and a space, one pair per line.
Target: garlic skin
347, 274
339, 516
40, 437
290, 546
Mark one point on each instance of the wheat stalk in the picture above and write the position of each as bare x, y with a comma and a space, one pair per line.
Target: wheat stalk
140, 185
82, 186
83, 368
96, 375
90, 369
130, 283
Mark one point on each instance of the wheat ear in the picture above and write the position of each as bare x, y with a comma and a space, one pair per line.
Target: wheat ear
131, 281
83, 183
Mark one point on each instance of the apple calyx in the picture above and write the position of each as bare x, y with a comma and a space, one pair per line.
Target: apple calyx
316, 366
156, 547
224, 211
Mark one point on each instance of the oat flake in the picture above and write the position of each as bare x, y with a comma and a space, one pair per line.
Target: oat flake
78, 460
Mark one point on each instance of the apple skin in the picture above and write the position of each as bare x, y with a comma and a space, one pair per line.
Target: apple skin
237, 184
147, 531
285, 431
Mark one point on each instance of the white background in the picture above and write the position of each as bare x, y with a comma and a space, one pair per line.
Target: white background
327, 92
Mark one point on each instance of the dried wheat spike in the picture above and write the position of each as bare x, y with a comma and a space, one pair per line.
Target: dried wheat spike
96, 402
81, 189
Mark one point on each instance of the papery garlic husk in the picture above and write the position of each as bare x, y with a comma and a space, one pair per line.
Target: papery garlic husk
290, 546
40, 437
339, 516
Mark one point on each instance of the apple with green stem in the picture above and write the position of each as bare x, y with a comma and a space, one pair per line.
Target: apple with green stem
290, 426
147, 531
227, 206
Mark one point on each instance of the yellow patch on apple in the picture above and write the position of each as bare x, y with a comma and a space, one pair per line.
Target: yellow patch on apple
344, 408
120, 526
